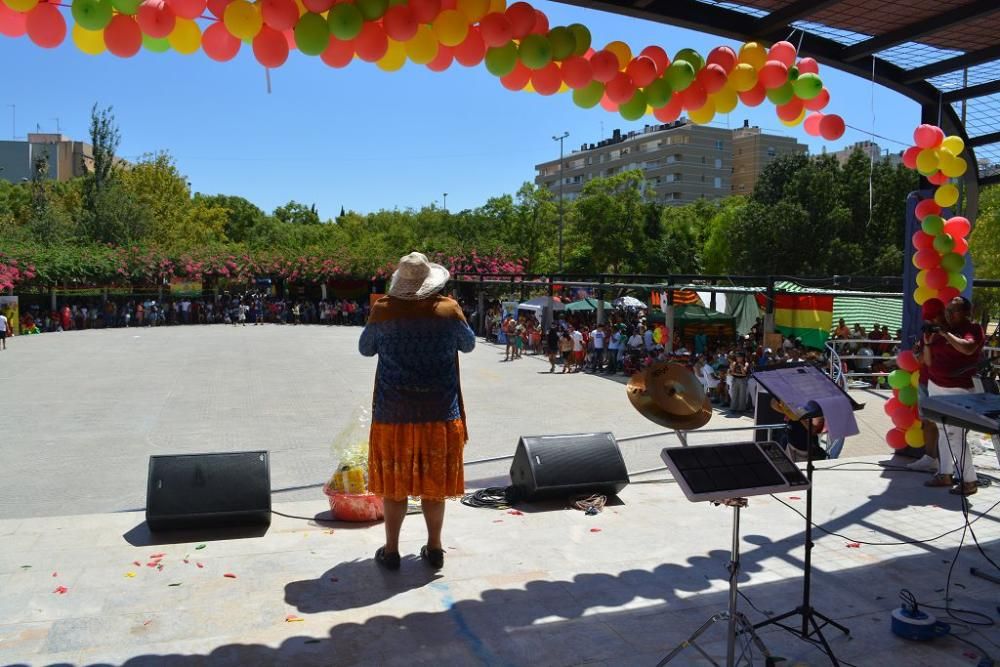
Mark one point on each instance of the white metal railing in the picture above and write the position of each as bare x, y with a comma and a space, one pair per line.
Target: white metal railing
837, 373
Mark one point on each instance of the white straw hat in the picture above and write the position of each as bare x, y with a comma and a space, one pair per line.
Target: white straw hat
417, 278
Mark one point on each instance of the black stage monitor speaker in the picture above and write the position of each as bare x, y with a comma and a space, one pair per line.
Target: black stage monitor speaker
199, 490
552, 466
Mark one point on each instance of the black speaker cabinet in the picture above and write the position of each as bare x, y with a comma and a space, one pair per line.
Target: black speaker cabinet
553, 466
201, 490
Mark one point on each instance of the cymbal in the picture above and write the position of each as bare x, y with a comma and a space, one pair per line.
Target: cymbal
674, 388
642, 399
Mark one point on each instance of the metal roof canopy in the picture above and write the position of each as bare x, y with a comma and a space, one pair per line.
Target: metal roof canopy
943, 54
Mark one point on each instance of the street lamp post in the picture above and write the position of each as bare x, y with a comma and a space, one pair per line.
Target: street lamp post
444, 202
560, 139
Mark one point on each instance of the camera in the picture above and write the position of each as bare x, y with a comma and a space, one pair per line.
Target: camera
930, 327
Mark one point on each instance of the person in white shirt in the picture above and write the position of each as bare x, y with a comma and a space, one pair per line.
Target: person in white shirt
597, 336
3, 331
648, 340
578, 351
615, 344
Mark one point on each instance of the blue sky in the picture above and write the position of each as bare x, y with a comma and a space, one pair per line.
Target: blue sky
358, 136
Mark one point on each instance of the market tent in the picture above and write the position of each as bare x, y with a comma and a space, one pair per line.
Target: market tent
684, 315
586, 305
867, 311
541, 302
744, 308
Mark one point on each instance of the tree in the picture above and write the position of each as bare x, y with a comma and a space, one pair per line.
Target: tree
155, 184
294, 213
241, 214
608, 219
984, 249
46, 224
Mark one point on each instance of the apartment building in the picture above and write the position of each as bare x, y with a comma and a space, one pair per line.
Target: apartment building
67, 158
753, 150
870, 150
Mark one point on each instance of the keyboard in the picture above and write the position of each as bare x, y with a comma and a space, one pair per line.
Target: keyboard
976, 412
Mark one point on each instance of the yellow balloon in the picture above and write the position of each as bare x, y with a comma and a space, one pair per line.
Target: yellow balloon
915, 380
946, 195
528, 88
243, 19
423, 46
186, 37
303, 10
498, 6
704, 115
921, 294
394, 58
956, 167
922, 278
21, 6
563, 87
649, 110
473, 9
754, 54
793, 123
621, 51
915, 435
927, 161
725, 100
743, 77
954, 144
90, 42
451, 27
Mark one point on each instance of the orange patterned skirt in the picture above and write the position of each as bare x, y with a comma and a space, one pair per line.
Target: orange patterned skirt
421, 460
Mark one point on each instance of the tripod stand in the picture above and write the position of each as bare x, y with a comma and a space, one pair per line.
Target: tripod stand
810, 626
737, 622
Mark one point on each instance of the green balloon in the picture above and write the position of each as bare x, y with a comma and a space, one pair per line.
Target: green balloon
679, 75
373, 10
501, 60
782, 95
535, 51
658, 93
952, 262
589, 96
156, 45
92, 14
807, 86
312, 34
958, 281
635, 108
581, 35
563, 43
944, 243
793, 73
908, 395
126, 6
899, 379
933, 225
691, 56
345, 21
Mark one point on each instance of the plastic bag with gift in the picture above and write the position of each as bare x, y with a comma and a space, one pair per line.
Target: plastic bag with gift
347, 489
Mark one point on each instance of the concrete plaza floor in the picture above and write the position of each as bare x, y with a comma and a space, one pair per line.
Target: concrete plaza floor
545, 585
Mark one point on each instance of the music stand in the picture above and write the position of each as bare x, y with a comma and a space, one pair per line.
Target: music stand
726, 475
808, 392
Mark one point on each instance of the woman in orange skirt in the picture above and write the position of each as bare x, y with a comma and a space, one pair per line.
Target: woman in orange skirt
418, 426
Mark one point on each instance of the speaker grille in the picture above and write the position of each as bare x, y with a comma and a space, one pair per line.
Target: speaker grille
554, 465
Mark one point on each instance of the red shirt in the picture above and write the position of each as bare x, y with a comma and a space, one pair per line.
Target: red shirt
951, 368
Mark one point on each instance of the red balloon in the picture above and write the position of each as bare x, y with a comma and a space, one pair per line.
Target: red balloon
937, 178
754, 96
318, 6
927, 258
443, 59
546, 81
399, 23
446, 4
270, 47
522, 19
279, 14
783, 52
620, 89
517, 79
724, 57
190, 9
958, 226
123, 37
471, 51
604, 65
892, 404
495, 29
819, 102
832, 127
811, 124
218, 7
156, 19
712, 78
910, 156
904, 417
961, 245
371, 43
694, 96
948, 293
541, 26
773, 74
937, 278
339, 53
896, 438
12, 24
642, 70
216, 41
671, 111
576, 72
808, 66
791, 111
659, 58
607, 104
922, 240
928, 136
425, 11
45, 26
907, 361
926, 207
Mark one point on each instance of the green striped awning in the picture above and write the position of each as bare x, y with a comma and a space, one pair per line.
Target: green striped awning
867, 311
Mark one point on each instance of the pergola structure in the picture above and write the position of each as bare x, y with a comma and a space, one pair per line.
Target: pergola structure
943, 54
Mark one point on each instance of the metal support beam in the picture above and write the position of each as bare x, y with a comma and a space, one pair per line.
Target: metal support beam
914, 31
982, 90
984, 139
780, 19
952, 64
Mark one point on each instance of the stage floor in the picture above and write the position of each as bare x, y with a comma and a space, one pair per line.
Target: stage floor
549, 586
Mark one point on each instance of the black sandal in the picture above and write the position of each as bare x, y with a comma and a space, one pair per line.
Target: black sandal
387, 560
435, 557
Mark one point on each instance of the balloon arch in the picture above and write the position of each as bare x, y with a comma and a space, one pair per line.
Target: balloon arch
517, 45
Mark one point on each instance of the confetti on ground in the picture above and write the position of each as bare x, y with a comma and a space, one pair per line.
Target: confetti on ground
55, 574
152, 563
61, 590
853, 545
595, 530
794, 498
497, 520
159, 567
177, 584
157, 556
329, 531
515, 512
186, 560
147, 622
199, 565
200, 546
229, 575
292, 618
25, 567
136, 563
129, 575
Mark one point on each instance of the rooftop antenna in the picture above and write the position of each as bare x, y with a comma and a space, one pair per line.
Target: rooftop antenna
58, 129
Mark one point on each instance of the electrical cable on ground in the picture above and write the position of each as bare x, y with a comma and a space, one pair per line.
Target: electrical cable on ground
589, 505
494, 497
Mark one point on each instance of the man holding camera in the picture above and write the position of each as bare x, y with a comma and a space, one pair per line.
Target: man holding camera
951, 358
